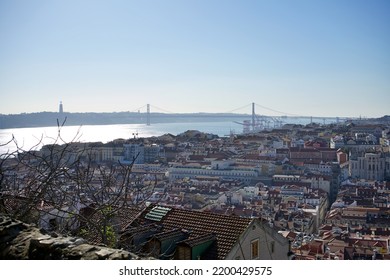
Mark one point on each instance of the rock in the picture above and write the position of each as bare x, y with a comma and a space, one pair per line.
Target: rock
22, 241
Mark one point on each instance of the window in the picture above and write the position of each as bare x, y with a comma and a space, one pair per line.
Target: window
255, 249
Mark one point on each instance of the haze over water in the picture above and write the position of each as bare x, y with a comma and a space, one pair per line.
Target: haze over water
30, 137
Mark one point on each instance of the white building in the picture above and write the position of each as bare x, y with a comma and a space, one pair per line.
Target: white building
319, 182
249, 192
230, 198
218, 169
371, 166
134, 153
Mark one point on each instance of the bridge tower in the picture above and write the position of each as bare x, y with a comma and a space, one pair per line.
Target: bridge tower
148, 114
61, 108
253, 117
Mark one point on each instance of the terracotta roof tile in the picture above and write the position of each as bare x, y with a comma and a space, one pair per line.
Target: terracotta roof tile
170, 234
227, 229
194, 241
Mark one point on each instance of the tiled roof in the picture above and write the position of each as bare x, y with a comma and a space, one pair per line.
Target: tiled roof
126, 215
194, 241
142, 229
121, 218
170, 234
196, 157
227, 229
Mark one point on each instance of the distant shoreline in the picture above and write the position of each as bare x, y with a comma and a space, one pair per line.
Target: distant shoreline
48, 119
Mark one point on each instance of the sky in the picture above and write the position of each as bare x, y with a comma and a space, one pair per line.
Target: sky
301, 57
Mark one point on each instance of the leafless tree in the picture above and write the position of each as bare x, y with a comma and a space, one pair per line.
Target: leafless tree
64, 188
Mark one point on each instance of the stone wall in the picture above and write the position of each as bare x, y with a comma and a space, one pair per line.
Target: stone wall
20, 241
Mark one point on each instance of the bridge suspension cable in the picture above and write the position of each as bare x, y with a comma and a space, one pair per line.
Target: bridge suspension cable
163, 110
238, 109
138, 109
262, 107
276, 111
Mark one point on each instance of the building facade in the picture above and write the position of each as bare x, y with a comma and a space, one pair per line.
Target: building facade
370, 166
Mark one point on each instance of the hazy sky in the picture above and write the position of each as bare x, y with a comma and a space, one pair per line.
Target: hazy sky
321, 58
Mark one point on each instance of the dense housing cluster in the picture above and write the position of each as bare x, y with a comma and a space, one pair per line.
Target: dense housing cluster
301, 192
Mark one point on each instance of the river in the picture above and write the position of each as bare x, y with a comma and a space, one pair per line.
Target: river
34, 138
28, 138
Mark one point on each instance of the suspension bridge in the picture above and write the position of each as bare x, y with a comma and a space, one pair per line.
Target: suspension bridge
255, 121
